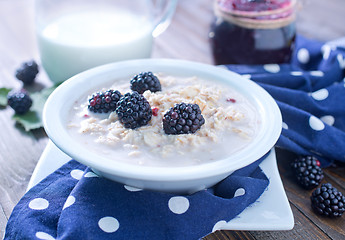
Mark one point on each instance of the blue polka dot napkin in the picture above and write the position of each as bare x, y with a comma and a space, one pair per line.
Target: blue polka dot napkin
74, 203
311, 95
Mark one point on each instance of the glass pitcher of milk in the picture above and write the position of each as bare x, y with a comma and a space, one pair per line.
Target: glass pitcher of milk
75, 35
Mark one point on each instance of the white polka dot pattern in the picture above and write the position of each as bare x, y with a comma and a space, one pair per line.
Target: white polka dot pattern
44, 236
326, 50
285, 126
316, 123
239, 192
303, 55
90, 175
341, 61
132, 189
38, 204
321, 94
328, 119
219, 225
296, 73
70, 200
272, 68
317, 73
77, 174
109, 224
178, 205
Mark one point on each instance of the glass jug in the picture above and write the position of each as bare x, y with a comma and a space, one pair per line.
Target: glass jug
75, 35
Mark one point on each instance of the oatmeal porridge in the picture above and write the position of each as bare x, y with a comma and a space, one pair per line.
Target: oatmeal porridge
230, 123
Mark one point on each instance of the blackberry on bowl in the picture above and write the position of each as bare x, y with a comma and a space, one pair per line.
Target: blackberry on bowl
104, 102
133, 110
183, 118
145, 81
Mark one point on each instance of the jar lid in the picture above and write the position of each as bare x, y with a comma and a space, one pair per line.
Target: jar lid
257, 13
255, 7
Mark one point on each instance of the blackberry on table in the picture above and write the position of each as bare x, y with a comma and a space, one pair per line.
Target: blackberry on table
104, 102
133, 110
145, 81
27, 72
307, 171
328, 201
183, 119
20, 101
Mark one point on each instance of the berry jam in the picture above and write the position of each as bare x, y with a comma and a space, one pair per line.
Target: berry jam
253, 31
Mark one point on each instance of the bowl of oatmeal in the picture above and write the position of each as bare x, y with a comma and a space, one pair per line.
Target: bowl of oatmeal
196, 126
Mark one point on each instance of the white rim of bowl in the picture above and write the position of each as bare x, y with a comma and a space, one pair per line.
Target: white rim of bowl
265, 140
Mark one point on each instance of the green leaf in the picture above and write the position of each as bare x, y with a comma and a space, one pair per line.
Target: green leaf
39, 99
3, 96
33, 118
30, 120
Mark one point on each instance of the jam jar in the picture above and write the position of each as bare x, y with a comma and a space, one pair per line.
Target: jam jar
253, 31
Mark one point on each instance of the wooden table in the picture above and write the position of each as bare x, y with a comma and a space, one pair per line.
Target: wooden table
186, 38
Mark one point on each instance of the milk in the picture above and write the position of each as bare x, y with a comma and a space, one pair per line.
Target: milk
73, 43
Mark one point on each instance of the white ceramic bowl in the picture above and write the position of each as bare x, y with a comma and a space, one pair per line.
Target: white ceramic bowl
174, 179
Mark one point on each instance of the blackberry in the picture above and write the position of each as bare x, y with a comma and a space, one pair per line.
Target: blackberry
307, 171
145, 81
20, 101
27, 72
133, 110
103, 102
183, 119
328, 201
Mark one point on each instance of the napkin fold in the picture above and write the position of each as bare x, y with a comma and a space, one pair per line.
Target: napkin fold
75, 203
310, 92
